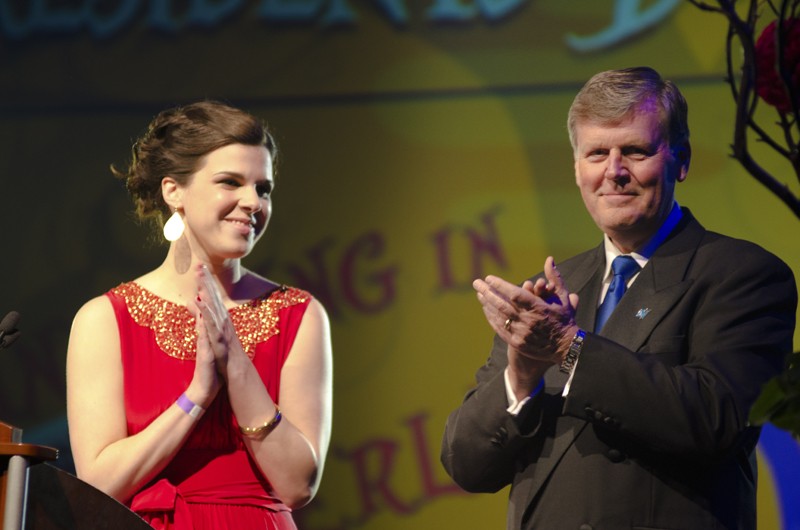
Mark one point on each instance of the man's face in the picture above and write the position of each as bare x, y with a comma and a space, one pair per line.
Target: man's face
626, 172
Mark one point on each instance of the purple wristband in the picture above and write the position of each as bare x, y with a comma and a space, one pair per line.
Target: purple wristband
189, 407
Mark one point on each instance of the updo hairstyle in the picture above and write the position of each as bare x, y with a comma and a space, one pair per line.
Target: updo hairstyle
175, 142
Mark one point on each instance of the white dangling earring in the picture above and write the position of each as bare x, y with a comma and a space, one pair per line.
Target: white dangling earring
173, 228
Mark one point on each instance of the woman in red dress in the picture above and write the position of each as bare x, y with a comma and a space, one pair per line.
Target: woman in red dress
199, 394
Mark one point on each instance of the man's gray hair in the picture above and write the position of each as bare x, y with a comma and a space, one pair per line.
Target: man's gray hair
610, 96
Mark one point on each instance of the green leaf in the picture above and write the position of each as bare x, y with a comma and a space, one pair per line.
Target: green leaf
779, 401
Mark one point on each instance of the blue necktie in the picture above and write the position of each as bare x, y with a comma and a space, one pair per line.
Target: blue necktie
624, 267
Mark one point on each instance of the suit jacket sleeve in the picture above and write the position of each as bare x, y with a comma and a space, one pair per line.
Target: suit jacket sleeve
482, 440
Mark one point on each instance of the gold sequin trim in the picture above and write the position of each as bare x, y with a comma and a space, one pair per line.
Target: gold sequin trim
173, 325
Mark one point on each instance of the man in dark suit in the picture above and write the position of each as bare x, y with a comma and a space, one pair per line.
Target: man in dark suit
629, 409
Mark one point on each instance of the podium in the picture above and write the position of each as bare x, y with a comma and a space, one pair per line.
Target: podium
37, 496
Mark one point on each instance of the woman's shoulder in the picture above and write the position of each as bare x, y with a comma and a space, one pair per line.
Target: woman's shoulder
103, 307
95, 314
98, 306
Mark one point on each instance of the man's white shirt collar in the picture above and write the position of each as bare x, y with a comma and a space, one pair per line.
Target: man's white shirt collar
643, 254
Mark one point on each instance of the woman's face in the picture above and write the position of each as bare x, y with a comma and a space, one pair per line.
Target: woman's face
226, 204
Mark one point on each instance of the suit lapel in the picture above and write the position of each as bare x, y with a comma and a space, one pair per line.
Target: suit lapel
587, 281
658, 288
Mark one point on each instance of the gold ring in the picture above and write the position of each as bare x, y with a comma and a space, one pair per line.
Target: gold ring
507, 323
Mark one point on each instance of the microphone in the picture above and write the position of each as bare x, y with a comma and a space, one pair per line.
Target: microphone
8, 329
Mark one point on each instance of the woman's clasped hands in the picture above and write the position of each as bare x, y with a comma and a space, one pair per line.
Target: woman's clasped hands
216, 339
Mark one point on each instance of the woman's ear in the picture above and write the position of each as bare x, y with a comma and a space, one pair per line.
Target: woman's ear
172, 192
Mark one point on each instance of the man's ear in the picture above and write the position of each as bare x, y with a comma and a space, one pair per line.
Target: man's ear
575, 168
683, 155
172, 192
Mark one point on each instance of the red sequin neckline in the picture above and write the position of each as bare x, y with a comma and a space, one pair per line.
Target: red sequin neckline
174, 326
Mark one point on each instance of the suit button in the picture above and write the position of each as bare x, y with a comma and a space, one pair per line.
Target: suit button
499, 437
615, 455
585, 527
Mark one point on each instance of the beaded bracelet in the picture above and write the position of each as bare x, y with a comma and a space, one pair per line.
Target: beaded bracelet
255, 432
189, 407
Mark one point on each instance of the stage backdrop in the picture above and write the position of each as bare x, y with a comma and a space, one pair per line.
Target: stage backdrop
422, 145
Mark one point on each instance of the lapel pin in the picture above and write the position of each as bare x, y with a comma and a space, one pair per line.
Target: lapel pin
642, 313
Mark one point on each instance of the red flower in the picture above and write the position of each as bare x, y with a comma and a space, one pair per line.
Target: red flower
768, 82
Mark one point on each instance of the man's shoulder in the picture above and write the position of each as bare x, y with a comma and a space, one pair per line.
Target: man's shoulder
735, 251
723, 251
717, 258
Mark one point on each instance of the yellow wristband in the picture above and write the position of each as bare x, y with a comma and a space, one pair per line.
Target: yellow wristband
255, 432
